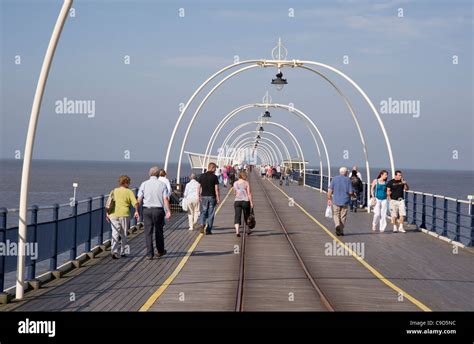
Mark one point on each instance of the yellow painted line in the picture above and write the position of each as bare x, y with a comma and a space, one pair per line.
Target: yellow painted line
369, 267
158, 292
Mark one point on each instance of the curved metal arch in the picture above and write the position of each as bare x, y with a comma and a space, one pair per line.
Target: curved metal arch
288, 155
269, 160
264, 139
180, 117
280, 64
294, 110
233, 131
292, 137
276, 156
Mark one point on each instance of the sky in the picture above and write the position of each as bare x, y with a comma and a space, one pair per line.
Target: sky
398, 52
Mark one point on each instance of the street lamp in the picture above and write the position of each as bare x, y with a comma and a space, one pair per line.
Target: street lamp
266, 114
260, 130
279, 82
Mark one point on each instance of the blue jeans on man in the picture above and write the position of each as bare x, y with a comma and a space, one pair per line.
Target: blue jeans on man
208, 209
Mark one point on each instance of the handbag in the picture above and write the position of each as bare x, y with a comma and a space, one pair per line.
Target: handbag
373, 199
251, 222
110, 205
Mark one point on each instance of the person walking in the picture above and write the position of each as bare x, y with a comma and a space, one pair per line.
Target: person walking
119, 216
395, 192
209, 197
379, 191
153, 193
231, 175
225, 176
339, 195
243, 201
263, 171
164, 179
358, 188
191, 194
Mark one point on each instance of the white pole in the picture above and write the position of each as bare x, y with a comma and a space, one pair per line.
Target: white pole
30, 139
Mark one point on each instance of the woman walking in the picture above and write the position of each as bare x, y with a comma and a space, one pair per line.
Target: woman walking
118, 214
379, 191
191, 194
243, 201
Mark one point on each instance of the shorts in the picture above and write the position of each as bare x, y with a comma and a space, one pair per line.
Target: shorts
397, 208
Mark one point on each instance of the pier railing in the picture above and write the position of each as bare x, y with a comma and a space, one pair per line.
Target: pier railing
445, 216
58, 234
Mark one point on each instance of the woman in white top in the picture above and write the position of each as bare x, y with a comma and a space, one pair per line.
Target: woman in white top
166, 181
191, 194
243, 201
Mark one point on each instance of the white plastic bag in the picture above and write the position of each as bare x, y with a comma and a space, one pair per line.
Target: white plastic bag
329, 212
184, 204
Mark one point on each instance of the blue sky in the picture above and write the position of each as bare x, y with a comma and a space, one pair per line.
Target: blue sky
407, 58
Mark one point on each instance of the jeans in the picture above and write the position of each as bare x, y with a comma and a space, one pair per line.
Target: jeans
208, 209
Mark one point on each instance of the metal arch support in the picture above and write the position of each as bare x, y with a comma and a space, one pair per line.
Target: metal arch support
262, 149
293, 138
188, 129
262, 138
356, 121
246, 124
368, 101
30, 140
276, 156
294, 110
287, 152
190, 100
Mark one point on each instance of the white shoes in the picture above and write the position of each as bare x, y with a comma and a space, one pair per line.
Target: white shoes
374, 228
395, 229
190, 229
401, 229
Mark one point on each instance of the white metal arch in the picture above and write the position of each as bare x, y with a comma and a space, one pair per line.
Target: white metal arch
267, 161
276, 156
292, 137
262, 138
287, 152
280, 64
224, 144
293, 110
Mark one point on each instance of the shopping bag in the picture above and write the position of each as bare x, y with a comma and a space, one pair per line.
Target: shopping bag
329, 212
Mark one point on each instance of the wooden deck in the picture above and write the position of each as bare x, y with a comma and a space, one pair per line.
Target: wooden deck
398, 272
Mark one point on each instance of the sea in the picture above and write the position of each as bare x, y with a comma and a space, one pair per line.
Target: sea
51, 181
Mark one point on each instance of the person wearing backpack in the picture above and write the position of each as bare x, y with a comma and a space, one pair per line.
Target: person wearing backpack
358, 188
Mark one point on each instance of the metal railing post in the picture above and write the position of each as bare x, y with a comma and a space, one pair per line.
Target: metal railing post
471, 211
102, 215
53, 262
423, 211
3, 239
73, 251
415, 208
445, 217
458, 220
89, 236
34, 221
433, 214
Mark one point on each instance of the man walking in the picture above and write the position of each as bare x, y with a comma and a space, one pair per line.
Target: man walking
339, 195
209, 196
395, 192
154, 195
